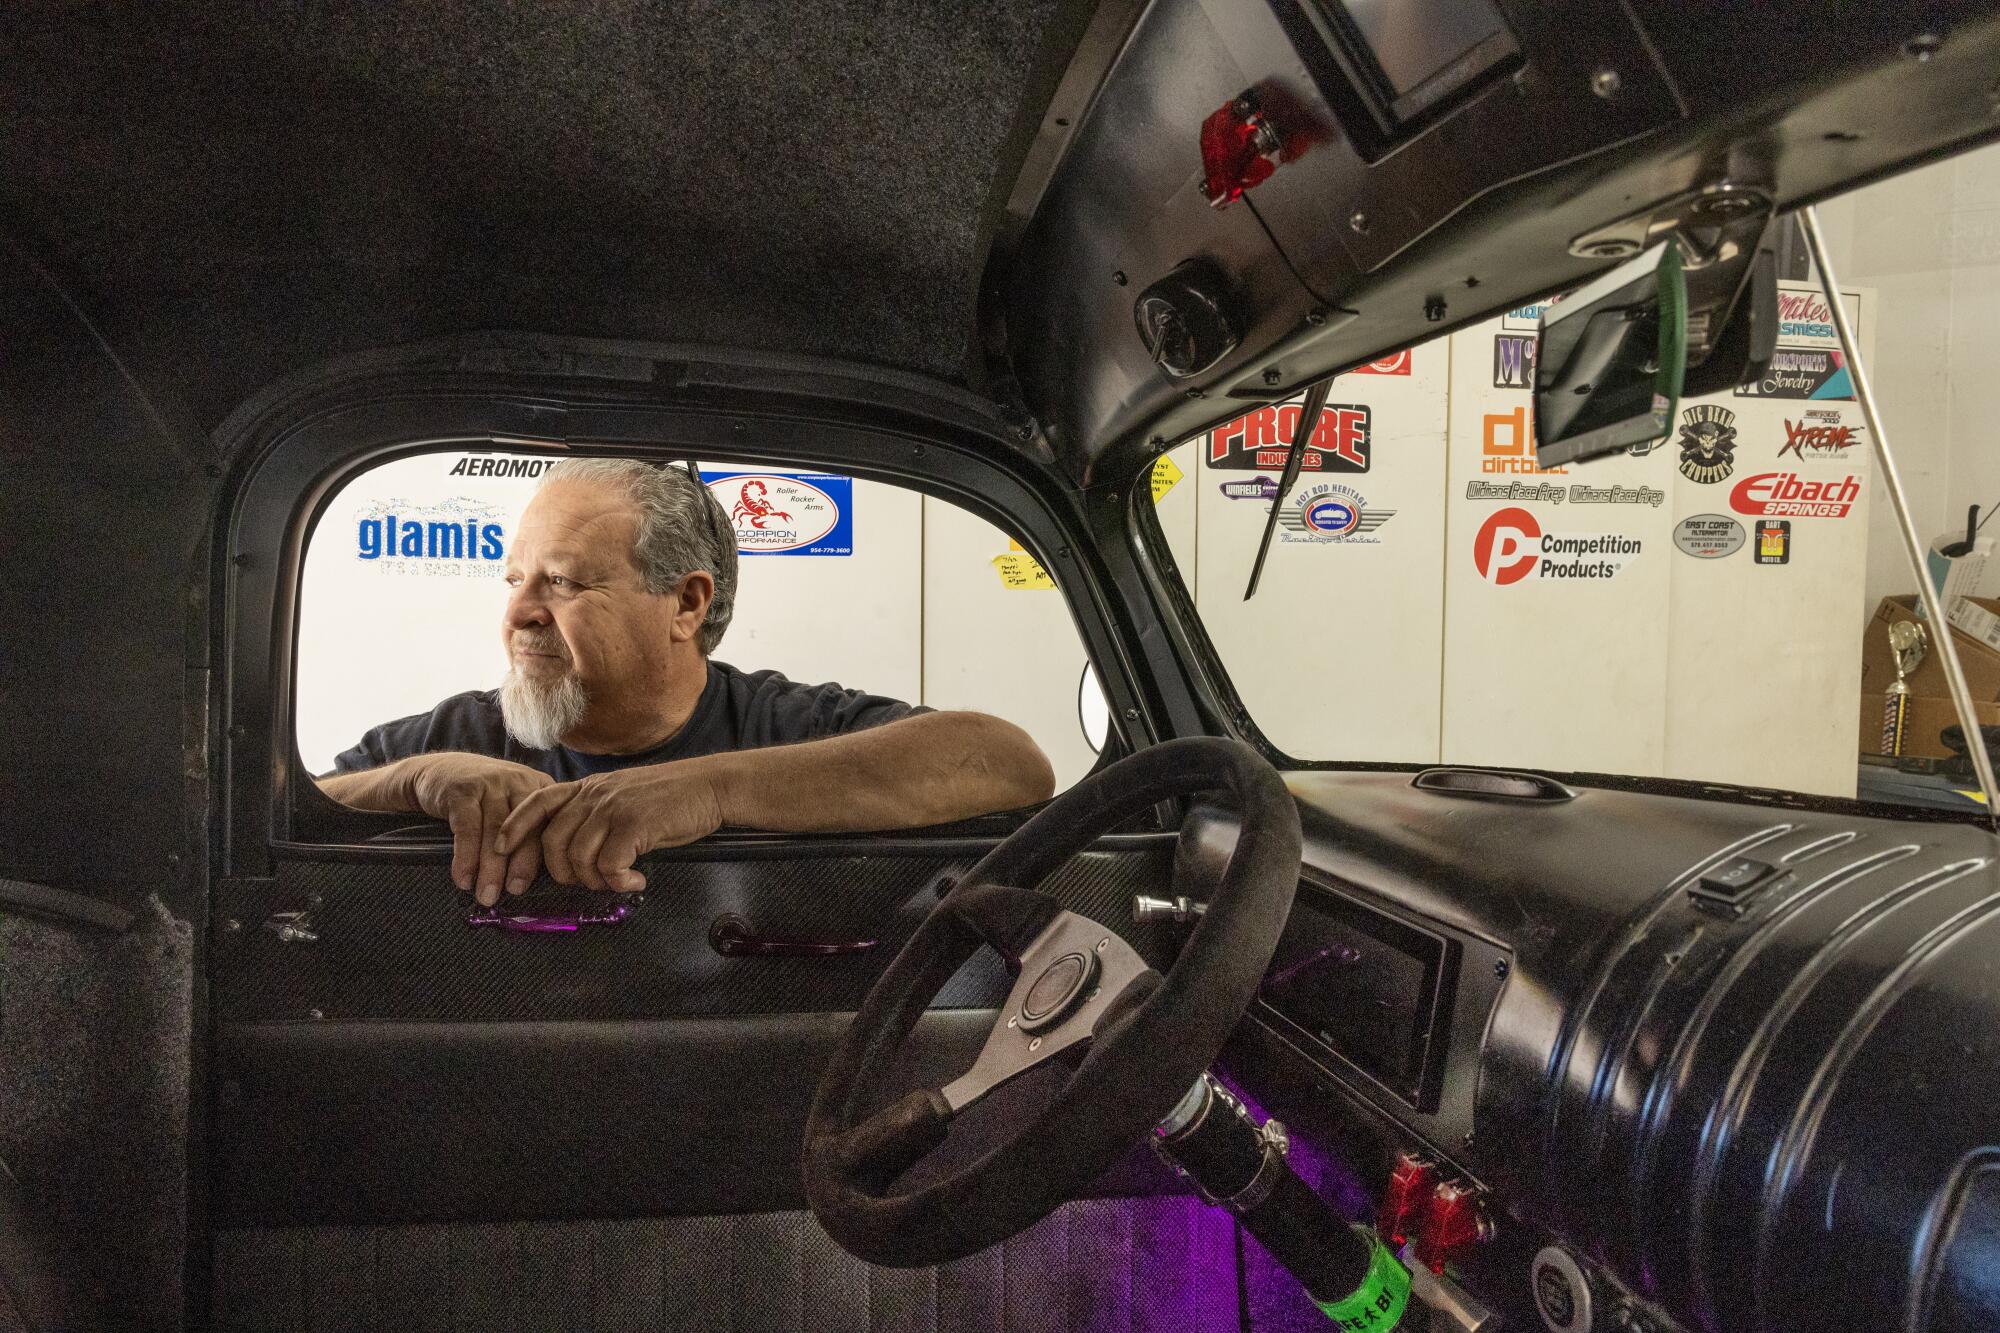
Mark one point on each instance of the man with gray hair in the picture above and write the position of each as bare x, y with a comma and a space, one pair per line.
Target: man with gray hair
614, 732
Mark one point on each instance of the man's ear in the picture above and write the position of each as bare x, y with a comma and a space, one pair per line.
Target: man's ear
691, 601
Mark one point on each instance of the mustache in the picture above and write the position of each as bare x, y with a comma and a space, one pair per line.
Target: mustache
530, 641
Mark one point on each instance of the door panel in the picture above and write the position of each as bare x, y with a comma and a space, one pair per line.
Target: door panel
465, 1074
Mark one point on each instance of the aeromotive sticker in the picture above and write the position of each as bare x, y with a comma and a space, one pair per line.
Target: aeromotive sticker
1511, 546
1788, 495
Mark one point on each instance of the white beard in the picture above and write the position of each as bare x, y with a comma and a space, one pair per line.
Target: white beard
538, 715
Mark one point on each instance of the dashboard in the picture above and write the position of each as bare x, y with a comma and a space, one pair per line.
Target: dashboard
1683, 1057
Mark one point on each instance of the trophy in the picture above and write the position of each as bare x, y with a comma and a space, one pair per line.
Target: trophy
1906, 647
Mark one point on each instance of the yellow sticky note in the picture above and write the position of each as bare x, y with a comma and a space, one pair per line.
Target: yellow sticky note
1165, 474
1018, 569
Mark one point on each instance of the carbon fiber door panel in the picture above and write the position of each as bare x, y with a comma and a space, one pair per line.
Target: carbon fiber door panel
389, 942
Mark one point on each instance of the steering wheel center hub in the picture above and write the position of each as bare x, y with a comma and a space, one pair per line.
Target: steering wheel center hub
1057, 990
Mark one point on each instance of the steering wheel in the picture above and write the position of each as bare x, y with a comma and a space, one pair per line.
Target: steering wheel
1150, 1036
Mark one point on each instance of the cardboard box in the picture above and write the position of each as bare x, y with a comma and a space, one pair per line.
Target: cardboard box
1929, 710
1975, 620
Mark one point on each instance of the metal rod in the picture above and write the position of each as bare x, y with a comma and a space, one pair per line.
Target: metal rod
1954, 674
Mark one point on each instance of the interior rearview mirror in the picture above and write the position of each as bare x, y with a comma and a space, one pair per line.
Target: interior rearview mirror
1610, 359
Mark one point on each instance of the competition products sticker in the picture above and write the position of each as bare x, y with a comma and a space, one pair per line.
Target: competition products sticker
1511, 546
787, 513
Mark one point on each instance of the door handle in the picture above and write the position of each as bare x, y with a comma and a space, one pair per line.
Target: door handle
542, 923
732, 937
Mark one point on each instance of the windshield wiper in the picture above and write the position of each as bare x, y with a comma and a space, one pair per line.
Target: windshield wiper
1308, 420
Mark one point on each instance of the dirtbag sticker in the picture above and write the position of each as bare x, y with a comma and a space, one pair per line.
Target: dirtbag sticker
787, 513
1511, 546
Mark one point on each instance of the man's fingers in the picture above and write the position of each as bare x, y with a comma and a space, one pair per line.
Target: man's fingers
492, 865
556, 834
463, 816
530, 812
583, 847
523, 866
615, 858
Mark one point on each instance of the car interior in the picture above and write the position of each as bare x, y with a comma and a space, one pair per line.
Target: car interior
1239, 1031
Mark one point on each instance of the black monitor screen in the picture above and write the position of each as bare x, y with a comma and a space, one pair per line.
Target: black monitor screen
1412, 41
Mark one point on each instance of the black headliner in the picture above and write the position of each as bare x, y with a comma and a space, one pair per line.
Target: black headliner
236, 191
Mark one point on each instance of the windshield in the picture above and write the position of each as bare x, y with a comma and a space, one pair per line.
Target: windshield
1731, 605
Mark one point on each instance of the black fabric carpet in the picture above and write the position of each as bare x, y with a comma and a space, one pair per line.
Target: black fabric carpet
239, 190
94, 1066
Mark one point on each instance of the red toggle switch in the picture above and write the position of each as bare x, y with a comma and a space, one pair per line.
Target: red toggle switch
1452, 1226
1405, 1199
1239, 148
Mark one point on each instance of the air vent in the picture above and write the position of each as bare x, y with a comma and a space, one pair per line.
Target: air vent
1491, 784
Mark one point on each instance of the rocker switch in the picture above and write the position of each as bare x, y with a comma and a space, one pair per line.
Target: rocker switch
1725, 886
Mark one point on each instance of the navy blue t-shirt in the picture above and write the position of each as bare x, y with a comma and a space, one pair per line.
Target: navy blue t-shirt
737, 711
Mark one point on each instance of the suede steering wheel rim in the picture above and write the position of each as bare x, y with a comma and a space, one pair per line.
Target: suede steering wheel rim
1150, 1035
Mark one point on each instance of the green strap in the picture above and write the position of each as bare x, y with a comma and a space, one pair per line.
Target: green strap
1377, 1305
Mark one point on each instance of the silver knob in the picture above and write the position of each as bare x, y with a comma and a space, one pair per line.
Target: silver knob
1182, 909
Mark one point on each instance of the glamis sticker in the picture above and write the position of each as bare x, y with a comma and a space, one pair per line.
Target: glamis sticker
1708, 443
1332, 513
1774, 541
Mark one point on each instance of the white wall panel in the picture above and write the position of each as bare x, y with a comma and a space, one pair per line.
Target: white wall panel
1544, 671
1010, 651
1337, 657
1764, 663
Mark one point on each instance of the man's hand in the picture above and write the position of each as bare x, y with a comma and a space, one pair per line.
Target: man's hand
591, 831
475, 794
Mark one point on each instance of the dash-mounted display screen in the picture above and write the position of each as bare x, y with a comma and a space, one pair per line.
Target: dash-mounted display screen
1366, 987
1410, 56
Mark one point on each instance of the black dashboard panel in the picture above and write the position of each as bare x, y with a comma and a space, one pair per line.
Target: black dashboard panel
1436, 161
1720, 1051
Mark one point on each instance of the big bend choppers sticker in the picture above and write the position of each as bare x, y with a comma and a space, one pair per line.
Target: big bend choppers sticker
787, 513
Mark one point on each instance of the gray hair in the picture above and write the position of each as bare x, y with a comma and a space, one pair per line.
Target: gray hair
682, 528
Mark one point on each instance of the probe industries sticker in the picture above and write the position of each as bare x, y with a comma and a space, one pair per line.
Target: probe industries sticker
1512, 546
787, 513
1259, 441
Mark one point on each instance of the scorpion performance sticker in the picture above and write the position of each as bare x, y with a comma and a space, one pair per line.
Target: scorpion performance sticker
787, 513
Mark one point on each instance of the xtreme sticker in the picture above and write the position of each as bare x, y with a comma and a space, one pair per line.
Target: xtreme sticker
1818, 433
